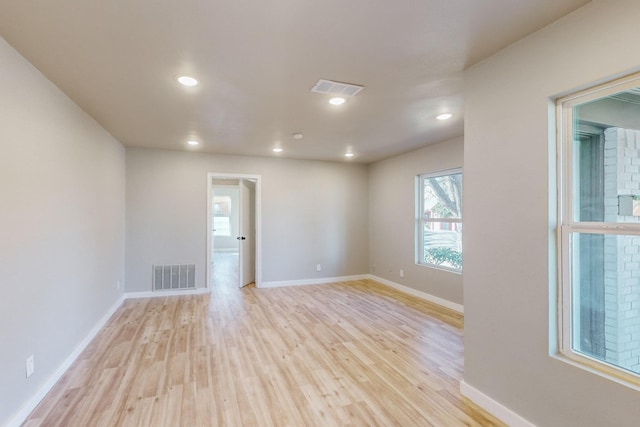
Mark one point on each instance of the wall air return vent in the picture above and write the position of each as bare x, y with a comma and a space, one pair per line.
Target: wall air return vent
173, 277
336, 88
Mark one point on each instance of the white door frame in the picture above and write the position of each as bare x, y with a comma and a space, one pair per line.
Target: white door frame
258, 207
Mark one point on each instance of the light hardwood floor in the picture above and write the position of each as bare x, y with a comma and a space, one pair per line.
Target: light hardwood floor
344, 354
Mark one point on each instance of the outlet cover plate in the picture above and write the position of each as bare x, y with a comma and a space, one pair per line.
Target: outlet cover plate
31, 367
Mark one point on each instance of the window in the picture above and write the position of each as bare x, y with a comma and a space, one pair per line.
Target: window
221, 218
599, 228
439, 220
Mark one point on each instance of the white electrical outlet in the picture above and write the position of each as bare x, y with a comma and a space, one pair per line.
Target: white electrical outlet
118, 285
318, 267
31, 367
373, 267
401, 273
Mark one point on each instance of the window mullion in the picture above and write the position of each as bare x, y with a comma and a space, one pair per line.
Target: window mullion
450, 220
604, 228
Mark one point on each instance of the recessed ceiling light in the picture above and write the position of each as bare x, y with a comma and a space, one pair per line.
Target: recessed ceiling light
277, 150
187, 81
297, 136
348, 154
337, 101
444, 116
193, 142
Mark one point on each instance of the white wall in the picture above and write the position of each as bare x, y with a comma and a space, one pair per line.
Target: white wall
509, 214
312, 213
392, 219
61, 227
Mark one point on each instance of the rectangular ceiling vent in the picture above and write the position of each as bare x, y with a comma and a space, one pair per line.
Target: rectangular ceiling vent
336, 88
172, 277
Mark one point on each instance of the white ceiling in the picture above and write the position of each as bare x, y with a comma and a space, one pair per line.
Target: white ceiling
257, 61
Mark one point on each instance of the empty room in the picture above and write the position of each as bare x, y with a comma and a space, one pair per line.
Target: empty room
419, 213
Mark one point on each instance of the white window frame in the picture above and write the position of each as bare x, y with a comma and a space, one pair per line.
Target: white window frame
421, 220
567, 225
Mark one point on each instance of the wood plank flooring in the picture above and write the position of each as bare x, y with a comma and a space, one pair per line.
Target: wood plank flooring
344, 354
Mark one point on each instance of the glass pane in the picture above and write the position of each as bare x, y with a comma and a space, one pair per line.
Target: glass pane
442, 244
606, 298
442, 196
606, 144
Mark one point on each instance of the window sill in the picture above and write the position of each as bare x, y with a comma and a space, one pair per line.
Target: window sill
600, 369
441, 268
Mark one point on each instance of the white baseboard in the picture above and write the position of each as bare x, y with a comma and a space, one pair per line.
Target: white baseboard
493, 407
419, 294
318, 281
161, 294
31, 404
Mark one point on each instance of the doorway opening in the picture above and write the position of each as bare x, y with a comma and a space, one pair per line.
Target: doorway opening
233, 233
